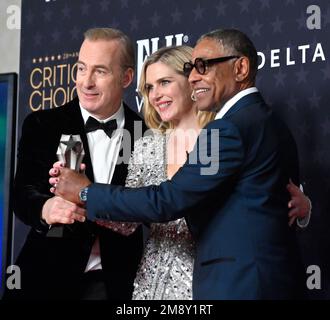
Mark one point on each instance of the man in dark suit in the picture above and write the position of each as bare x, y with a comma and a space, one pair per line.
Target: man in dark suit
86, 261
232, 189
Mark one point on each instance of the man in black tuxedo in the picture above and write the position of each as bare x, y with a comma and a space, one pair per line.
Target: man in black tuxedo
88, 261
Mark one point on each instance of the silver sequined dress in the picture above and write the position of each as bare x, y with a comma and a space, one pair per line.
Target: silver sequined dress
165, 271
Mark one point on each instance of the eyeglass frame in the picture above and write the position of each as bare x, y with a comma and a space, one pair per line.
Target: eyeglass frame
205, 63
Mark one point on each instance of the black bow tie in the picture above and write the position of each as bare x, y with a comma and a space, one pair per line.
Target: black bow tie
92, 124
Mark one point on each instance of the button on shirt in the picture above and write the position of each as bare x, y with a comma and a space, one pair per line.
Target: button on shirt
104, 155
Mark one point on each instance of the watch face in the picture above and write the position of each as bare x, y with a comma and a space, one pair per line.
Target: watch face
83, 194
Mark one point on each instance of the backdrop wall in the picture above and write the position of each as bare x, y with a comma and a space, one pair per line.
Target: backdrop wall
292, 38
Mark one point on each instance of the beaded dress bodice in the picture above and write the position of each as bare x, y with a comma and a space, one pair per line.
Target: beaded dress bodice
165, 271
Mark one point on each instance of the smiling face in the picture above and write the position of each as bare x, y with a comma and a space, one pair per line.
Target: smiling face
168, 92
218, 84
100, 78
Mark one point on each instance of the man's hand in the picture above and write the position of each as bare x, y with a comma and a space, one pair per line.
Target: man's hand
55, 172
299, 204
58, 210
68, 184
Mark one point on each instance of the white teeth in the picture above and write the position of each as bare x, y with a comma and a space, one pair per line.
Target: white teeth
200, 90
164, 105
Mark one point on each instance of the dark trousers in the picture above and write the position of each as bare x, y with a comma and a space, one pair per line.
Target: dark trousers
93, 286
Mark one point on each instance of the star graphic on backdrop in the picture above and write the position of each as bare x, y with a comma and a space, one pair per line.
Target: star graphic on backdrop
198, 13
256, 28
221, 8
47, 15
75, 33
56, 36
264, 4
326, 126
29, 17
292, 103
124, 3
66, 11
105, 5
85, 9
301, 21
176, 16
279, 78
155, 19
314, 101
134, 23
244, 4
277, 25
326, 71
302, 75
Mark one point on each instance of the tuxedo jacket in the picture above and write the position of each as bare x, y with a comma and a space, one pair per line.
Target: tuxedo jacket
236, 212
51, 266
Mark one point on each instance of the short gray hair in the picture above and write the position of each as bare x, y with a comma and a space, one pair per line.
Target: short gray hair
108, 34
236, 42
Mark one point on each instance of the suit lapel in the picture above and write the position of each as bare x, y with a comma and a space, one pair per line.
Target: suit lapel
249, 99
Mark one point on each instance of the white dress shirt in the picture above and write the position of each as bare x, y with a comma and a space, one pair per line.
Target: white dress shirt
104, 155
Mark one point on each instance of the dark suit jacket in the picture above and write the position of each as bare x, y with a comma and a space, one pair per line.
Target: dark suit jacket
52, 266
237, 213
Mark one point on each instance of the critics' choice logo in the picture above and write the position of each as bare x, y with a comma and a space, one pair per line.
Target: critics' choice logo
52, 85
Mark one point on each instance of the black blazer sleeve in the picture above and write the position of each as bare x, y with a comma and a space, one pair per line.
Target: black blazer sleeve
36, 154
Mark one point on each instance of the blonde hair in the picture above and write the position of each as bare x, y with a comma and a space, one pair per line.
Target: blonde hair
174, 57
109, 34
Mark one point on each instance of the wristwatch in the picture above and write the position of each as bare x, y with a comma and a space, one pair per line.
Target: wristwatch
83, 194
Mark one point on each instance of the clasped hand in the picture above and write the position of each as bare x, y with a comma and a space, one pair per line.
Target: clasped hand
67, 183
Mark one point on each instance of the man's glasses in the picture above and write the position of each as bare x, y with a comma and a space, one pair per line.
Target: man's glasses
201, 65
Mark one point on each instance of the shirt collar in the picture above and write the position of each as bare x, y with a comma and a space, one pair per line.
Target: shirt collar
233, 100
119, 115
